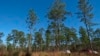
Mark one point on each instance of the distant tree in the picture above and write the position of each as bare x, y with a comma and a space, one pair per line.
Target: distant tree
16, 38
38, 41
84, 37
1, 35
75, 40
22, 40
31, 21
85, 15
9, 45
1, 41
97, 33
96, 43
27, 39
96, 39
48, 39
12, 41
57, 15
70, 36
41, 31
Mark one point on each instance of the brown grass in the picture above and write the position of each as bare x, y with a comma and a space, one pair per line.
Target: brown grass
60, 53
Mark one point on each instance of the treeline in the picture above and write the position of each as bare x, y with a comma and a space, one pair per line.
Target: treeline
57, 36
18, 40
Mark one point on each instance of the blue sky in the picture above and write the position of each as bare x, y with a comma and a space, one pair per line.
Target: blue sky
14, 12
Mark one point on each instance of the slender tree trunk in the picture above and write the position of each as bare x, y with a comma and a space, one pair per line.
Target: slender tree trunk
30, 41
57, 35
88, 33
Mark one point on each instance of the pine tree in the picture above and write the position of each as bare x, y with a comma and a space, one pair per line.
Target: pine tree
57, 15
31, 21
85, 15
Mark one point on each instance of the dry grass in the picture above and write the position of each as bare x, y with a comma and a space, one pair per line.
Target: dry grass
54, 54
61, 54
